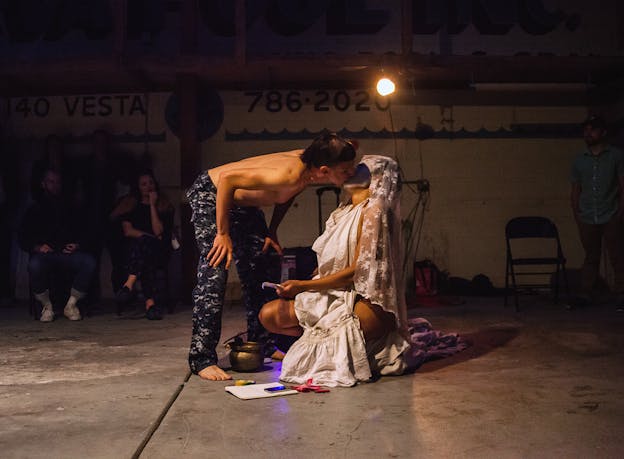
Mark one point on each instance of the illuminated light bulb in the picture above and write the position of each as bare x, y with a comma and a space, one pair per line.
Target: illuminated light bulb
385, 86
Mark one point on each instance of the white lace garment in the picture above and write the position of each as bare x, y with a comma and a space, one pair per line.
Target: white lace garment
332, 350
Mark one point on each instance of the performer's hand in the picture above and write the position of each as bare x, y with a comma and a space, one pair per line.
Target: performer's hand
70, 248
289, 288
221, 249
44, 248
271, 241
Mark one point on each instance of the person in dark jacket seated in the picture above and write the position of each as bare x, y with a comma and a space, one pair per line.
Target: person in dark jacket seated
147, 220
51, 233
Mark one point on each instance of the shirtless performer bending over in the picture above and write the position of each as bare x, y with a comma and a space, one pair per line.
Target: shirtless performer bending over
229, 224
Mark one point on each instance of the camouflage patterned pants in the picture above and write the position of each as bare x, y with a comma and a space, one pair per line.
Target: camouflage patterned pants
248, 230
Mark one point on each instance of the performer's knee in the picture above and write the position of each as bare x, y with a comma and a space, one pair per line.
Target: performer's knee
266, 317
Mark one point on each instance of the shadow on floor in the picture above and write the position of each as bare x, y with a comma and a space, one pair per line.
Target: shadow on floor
480, 343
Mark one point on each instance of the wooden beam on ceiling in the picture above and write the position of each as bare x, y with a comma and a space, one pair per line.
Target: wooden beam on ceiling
424, 71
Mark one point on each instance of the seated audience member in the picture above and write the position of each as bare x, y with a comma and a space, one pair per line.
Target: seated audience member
351, 317
147, 220
52, 158
51, 232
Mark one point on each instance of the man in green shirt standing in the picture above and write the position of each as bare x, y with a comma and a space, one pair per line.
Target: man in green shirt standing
597, 200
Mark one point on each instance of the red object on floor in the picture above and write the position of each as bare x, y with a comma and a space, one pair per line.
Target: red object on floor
309, 387
426, 276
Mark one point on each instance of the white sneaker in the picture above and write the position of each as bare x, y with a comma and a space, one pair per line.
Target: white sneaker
47, 314
72, 312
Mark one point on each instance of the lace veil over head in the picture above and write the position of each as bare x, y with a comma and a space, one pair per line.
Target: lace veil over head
378, 274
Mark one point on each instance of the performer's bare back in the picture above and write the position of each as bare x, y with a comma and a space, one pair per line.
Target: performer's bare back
264, 180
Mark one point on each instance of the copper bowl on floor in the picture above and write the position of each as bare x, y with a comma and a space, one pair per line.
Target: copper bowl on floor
246, 356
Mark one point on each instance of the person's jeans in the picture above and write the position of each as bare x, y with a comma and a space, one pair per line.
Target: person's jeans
592, 237
146, 255
42, 265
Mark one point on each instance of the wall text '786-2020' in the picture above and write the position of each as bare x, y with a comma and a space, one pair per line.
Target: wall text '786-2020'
320, 101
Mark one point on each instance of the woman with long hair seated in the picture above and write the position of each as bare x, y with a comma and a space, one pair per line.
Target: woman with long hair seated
349, 316
147, 220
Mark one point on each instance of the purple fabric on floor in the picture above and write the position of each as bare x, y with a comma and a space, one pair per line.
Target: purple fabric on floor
429, 344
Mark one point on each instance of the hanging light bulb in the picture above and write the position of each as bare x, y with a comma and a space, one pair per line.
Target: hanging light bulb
385, 86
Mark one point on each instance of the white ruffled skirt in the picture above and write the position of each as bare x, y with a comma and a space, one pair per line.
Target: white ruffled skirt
332, 350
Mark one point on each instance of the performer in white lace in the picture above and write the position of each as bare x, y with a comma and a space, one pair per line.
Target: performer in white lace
349, 315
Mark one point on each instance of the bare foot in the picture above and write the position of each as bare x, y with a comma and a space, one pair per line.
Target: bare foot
278, 355
213, 373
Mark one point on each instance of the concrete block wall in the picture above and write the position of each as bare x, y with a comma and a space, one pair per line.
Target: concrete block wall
477, 183
477, 186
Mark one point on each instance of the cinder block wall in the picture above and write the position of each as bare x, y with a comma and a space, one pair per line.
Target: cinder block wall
476, 184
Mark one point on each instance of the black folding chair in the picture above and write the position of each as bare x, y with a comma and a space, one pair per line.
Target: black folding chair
549, 260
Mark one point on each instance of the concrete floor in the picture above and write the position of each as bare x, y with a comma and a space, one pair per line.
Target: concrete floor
544, 382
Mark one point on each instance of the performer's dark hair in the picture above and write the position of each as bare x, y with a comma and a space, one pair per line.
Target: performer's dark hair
328, 150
